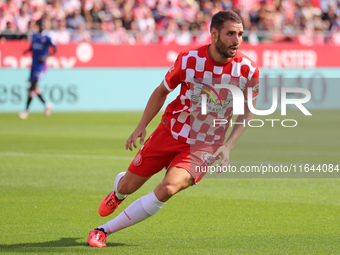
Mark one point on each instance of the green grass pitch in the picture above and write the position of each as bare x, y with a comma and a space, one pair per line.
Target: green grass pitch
54, 173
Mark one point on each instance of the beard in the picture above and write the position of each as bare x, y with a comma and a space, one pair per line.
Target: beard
222, 49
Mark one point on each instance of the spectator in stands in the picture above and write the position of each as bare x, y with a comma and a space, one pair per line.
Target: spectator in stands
120, 34
336, 23
148, 36
252, 37
102, 35
127, 19
335, 39
190, 10
134, 36
96, 15
198, 20
85, 12
5, 17
58, 12
170, 31
22, 19
330, 16
12, 8
184, 36
145, 21
62, 34
105, 14
36, 12
275, 19
116, 11
206, 6
70, 5
31, 27
204, 36
81, 34
10, 33
74, 19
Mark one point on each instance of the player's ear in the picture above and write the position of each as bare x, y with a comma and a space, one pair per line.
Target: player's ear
214, 34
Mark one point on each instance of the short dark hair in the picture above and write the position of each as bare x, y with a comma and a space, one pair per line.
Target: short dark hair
219, 18
39, 22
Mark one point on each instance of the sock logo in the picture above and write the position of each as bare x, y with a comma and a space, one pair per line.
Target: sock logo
127, 215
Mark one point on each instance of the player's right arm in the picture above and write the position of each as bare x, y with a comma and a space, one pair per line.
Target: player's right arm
155, 103
51, 43
171, 81
28, 50
31, 46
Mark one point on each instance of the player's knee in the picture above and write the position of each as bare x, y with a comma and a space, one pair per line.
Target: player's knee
171, 190
31, 93
168, 190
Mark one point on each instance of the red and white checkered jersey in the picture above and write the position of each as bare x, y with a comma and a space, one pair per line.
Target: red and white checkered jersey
198, 75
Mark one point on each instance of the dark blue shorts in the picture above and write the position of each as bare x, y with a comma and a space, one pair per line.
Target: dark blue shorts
38, 73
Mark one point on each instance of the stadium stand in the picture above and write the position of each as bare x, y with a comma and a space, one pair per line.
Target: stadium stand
306, 22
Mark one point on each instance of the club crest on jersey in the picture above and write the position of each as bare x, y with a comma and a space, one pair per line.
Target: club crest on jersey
207, 158
138, 160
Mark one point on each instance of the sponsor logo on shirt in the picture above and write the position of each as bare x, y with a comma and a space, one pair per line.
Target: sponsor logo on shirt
37, 46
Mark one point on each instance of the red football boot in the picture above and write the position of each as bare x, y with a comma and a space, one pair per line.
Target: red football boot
96, 238
109, 204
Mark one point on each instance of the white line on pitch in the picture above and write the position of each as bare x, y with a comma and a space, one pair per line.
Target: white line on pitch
77, 156
43, 155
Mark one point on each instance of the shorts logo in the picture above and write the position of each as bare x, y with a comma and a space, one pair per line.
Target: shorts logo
207, 158
138, 160
256, 88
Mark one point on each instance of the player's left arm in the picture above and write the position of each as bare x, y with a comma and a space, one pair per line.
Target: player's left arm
54, 50
50, 53
53, 44
238, 129
236, 133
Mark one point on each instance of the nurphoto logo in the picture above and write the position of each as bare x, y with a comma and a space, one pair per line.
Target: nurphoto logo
238, 105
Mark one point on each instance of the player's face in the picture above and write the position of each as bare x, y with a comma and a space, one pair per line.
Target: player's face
40, 26
229, 39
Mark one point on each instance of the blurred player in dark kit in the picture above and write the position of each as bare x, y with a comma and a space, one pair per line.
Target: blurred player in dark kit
40, 48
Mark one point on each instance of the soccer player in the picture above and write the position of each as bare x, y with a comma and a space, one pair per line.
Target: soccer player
186, 137
40, 47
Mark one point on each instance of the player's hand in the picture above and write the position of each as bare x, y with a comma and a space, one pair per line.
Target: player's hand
224, 152
139, 132
43, 59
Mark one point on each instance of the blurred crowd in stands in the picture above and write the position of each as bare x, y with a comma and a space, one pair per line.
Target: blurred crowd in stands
171, 21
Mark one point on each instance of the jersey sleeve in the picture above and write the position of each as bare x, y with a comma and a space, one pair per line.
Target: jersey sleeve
174, 76
253, 83
52, 41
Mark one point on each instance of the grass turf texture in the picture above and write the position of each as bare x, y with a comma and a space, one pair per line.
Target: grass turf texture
54, 173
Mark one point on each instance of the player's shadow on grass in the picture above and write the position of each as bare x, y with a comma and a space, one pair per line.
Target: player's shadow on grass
39, 246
